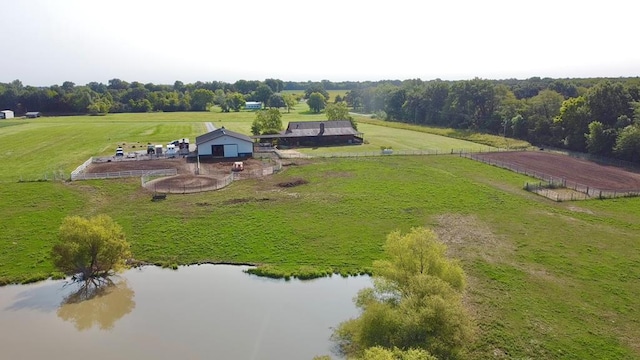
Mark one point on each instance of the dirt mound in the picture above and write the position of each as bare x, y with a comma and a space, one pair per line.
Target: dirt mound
293, 183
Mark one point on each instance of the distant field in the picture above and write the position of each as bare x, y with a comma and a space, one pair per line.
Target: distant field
332, 93
57, 145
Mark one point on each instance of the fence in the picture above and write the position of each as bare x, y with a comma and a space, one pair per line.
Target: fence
121, 174
167, 186
80, 169
55, 175
555, 188
389, 152
603, 160
200, 183
270, 170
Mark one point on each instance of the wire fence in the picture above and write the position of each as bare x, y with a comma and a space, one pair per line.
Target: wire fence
287, 154
121, 174
189, 184
56, 175
554, 187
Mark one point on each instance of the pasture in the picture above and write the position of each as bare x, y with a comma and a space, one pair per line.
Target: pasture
568, 293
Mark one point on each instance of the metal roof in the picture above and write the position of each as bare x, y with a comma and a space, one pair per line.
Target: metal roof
219, 133
312, 129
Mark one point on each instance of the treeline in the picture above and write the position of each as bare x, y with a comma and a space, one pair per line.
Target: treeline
120, 96
599, 116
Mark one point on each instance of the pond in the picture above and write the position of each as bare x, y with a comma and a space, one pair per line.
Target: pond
196, 312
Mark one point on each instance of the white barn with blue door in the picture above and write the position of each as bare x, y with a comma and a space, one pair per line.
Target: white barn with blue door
223, 143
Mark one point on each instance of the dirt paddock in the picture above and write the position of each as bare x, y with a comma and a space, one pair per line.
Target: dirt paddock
183, 166
580, 171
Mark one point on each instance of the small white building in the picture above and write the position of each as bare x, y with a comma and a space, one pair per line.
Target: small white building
222, 143
6, 114
253, 105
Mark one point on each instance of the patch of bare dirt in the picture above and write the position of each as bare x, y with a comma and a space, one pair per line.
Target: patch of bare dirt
185, 183
129, 165
293, 183
573, 170
243, 200
464, 231
213, 167
218, 167
579, 209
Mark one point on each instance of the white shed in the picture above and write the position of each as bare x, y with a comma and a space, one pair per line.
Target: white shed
225, 144
6, 114
253, 105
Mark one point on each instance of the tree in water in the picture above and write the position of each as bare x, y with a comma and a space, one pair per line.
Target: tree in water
90, 249
416, 302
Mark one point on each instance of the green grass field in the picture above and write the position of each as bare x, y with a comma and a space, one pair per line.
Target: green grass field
546, 280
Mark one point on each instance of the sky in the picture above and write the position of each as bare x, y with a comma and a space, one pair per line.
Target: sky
47, 42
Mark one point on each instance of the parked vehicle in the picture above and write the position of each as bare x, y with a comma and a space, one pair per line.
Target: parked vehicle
171, 150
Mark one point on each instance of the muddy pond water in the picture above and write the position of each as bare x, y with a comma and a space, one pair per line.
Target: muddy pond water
195, 312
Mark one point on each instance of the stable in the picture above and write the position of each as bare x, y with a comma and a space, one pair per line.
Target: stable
6, 114
253, 105
317, 133
222, 143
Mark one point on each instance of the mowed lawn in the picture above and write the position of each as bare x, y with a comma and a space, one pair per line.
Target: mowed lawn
545, 280
57, 145
400, 140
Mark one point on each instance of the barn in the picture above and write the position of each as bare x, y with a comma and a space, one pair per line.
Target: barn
317, 133
6, 114
253, 105
223, 143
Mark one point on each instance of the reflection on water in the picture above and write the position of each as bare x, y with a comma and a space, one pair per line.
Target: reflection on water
102, 305
197, 312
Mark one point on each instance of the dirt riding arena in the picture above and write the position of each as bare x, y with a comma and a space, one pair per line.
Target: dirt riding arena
212, 174
573, 170
183, 166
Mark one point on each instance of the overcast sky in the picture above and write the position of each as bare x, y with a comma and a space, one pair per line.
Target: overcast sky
46, 42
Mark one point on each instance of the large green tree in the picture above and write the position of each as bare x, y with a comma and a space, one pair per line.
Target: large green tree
290, 101
316, 88
574, 118
262, 94
628, 143
201, 99
267, 122
316, 102
340, 111
93, 247
607, 101
337, 111
235, 100
416, 301
600, 141
276, 101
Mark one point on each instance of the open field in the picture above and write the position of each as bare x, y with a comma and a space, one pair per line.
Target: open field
479, 138
570, 293
57, 145
571, 169
332, 93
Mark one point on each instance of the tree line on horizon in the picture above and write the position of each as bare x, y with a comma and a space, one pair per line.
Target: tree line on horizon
596, 115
